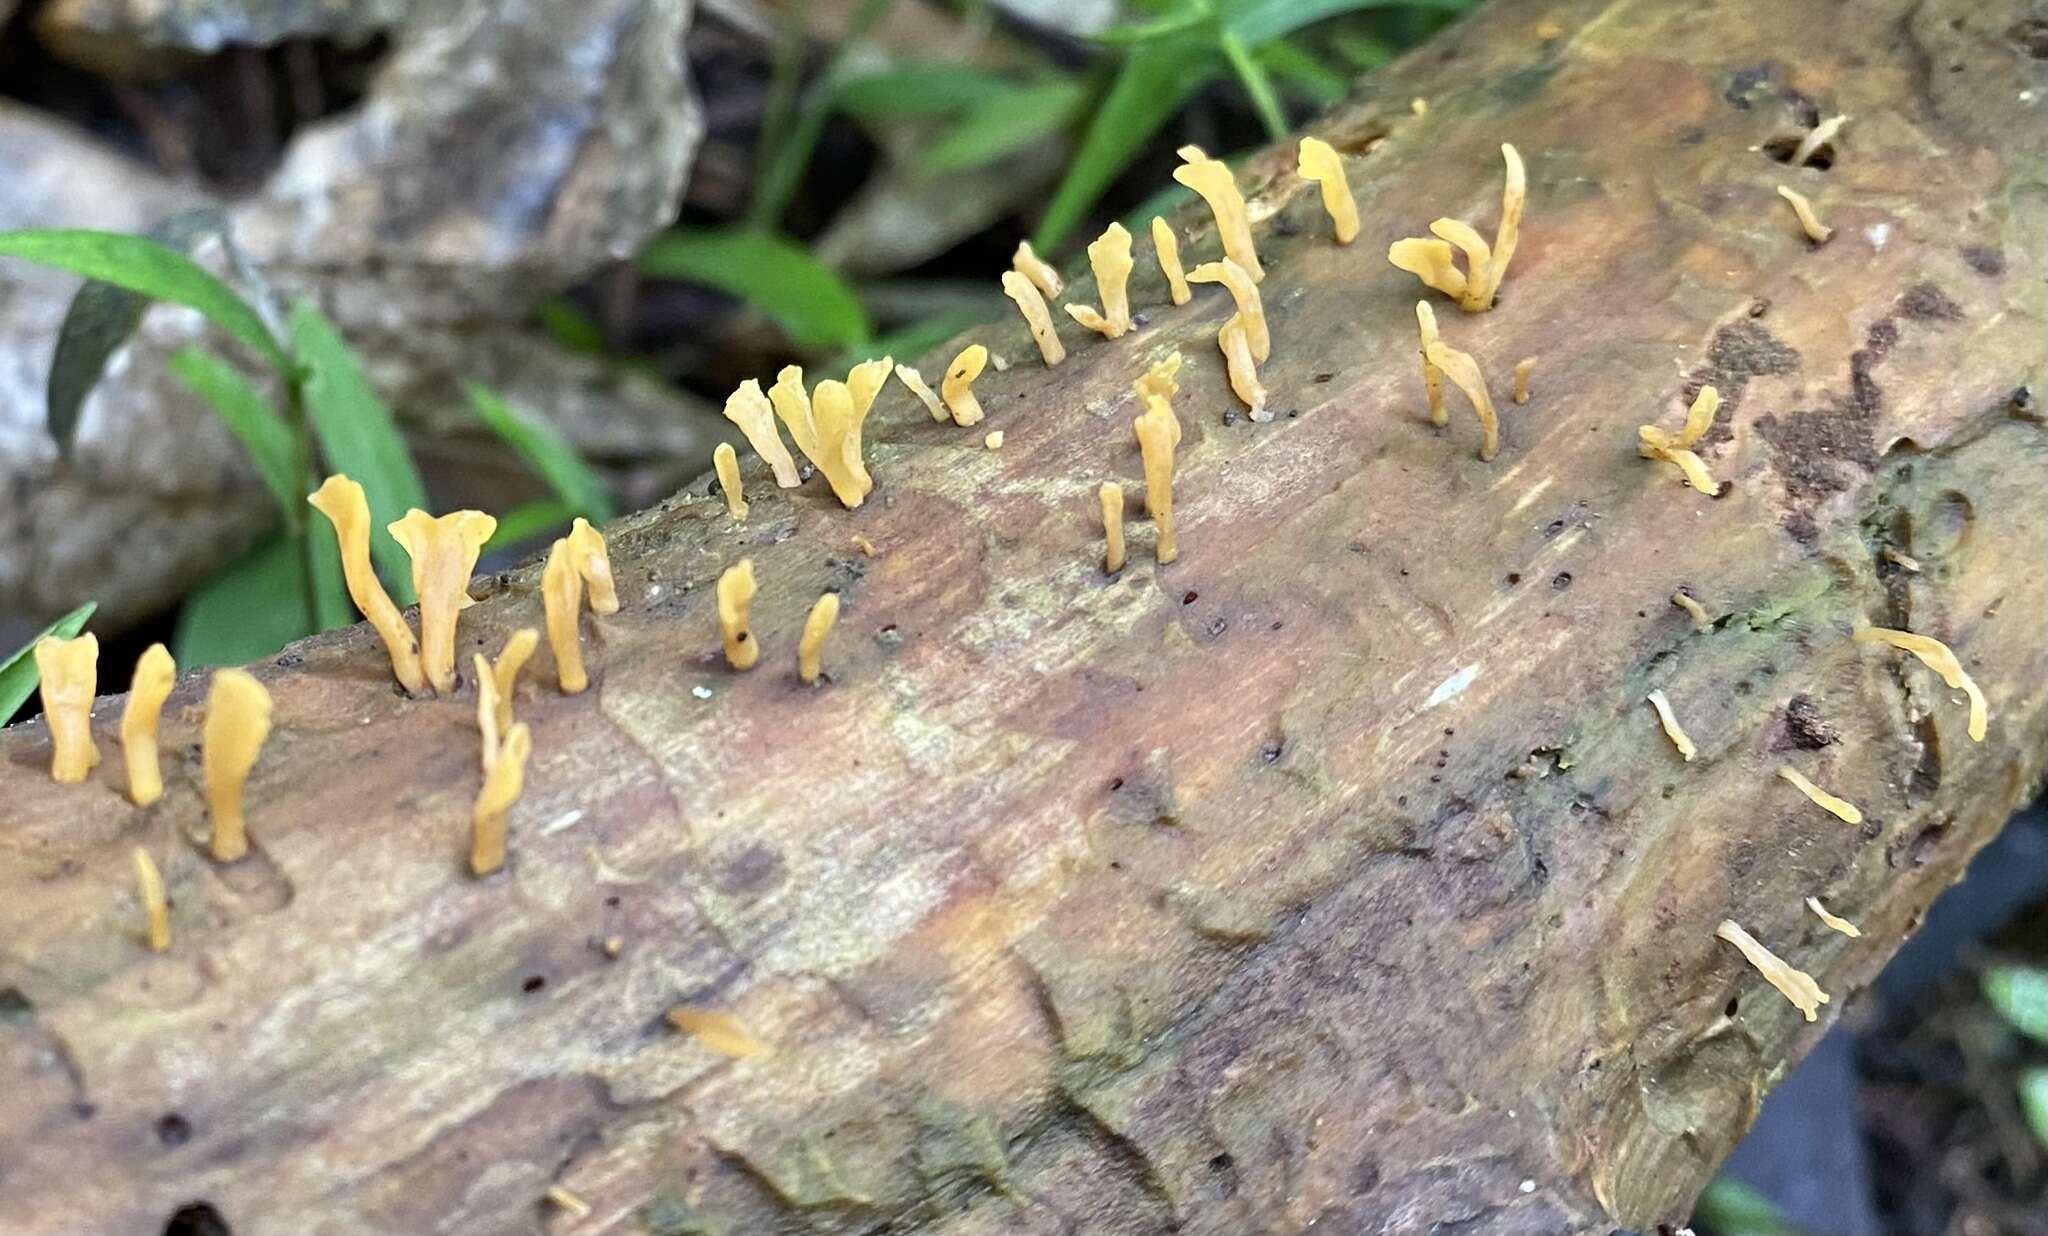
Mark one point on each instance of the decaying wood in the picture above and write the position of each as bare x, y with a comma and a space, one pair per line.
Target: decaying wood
1336, 875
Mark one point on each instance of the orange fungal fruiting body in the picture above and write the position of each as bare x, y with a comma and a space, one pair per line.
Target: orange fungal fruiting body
155, 673
810, 650
958, 385
561, 591
444, 551
1317, 160
341, 500
237, 724
502, 787
67, 675
726, 462
1032, 306
1213, 181
735, 596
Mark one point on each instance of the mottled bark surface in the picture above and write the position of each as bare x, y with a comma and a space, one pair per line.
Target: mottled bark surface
1335, 876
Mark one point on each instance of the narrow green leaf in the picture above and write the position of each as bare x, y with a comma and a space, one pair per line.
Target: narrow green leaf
1364, 51
787, 145
18, 675
528, 520
2033, 1091
1732, 1208
913, 339
2020, 995
1261, 21
1256, 84
924, 88
332, 606
812, 305
1302, 70
144, 266
255, 424
358, 437
548, 453
1154, 80
249, 610
1187, 18
570, 326
1009, 124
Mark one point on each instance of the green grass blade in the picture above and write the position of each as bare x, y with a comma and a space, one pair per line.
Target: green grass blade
2020, 995
144, 266
1256, 84
247, 611
18, 676
547, 452
811, 304
2033, 1092
358, 437
1016, 120
1261, 21
928, 88
527, 521
255, 424
1733, 1208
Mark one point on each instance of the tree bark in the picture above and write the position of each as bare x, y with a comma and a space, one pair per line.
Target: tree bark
1336, 875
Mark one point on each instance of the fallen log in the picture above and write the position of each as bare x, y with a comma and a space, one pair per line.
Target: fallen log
1336, 875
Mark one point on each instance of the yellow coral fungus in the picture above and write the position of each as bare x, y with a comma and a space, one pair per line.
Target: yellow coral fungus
1112, 497
341, 500
726, 462
839, 443
792, 404
1166, 247
994, 440
501, 788
594, 564
1821, 135
1432, 377
1701, 620
735, 595
749, 409
1834, 922
1940, 658
511, 659
1464, 373
810, 649
1523, 368
1795, 985
444, 552
959, 382
561, 594
237, 723
1317, 160
1161, 379
1810, 223
67, 674
1158, 431
1655, 443
149, 890
1212, 179
1251, 311
718, 1032
1841, 808
576, 1207
489, 708
155, 672
1485, 265
1043, 275
1243, 370
1032, 306
1672, 729
914, 380
1109, 256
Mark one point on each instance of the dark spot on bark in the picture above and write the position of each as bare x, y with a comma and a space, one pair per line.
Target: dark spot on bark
2021, 401
754, 870
1116, 783
1805, 726
1230, 416
290, 660
1760, 306
2032, 36
1799, 525
1747, 85
533, 983
1733, 1006
1141, 319
1189, 597
1783, 148
1740, 351
1561, 581
1514, 577
1926, 303
197, 1219
1812, 445
1692, 137
15, 1007
1985, 260
1284, 226
1366, 1176
1321, 378
173, 1130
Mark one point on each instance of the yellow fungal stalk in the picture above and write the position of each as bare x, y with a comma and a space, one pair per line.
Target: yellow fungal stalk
817, 626
1485, 265
1158, 432
1821, 135
1795, 985
1938, 657
1212, 179
839, 444
1109, 256
1834, 922
237, 723
718, 1032
863, 382
149, 889
920, 388
792, 405
726, 462
1244, 372
1161, 379
1841, 808
68, 674
1432, 377
594, 564
444, 552
489, 708
735, 595
1032, 306
1523, 368
512, 658
341, 500
1042, 274
957, 385
502, 786
1166, 246
1464, 373
1112, 496
1317, 160
1810, 223
749, 409
1251, 311
155, 672
1701, 620
561, 594
1655, 443
575, 1206
1672, 729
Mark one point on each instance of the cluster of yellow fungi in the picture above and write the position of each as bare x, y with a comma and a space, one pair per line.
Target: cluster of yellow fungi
1794, 984
1439, 361
1433, 261
1676, 448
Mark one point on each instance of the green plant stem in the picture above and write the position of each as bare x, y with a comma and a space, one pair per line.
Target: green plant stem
1256, 84
785, 155
295, 526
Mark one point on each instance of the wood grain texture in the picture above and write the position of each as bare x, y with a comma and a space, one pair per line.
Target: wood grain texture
1335, 876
